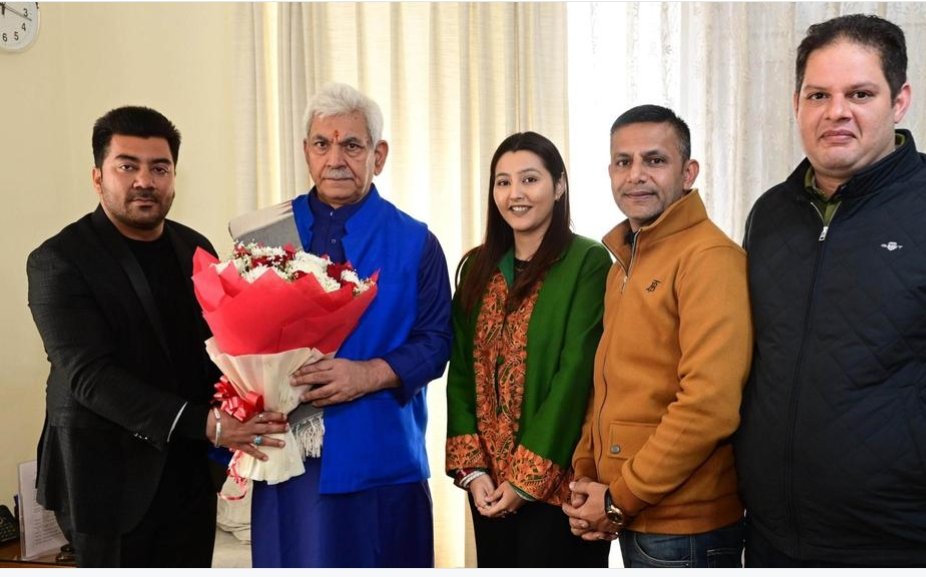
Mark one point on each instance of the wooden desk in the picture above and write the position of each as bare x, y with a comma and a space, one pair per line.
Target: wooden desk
11, 556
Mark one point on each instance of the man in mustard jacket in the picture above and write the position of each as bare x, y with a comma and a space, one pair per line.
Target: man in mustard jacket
654, 466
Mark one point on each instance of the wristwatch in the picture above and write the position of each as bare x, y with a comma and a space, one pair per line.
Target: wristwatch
614, 513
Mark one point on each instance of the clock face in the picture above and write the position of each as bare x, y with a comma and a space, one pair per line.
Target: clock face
19, 25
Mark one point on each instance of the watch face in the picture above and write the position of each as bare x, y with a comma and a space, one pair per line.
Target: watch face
19, 25
615, 515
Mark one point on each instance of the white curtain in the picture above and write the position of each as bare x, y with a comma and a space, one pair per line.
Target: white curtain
727, 68
453, 79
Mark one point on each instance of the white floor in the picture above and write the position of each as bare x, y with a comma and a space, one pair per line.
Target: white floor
229, 551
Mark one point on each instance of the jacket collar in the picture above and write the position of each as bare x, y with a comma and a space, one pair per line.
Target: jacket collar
360, 229
895, 167
684, 213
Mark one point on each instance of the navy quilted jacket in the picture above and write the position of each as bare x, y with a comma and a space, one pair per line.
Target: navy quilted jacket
831, 452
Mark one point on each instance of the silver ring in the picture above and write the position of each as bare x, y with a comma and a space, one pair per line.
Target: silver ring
258, 439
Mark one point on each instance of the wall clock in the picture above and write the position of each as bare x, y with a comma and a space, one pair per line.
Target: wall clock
19, 25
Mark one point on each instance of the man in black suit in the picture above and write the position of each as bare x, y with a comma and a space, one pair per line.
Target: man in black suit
123, 458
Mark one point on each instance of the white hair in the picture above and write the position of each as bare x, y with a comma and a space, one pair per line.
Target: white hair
336, 99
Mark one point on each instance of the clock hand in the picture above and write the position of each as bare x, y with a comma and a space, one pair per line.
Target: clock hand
14, 11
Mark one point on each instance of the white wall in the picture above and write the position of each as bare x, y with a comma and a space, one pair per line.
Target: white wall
179, 58
88, 59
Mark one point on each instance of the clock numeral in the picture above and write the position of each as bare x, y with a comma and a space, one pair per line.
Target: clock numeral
26, 12
16, 35
24, 26
4, 37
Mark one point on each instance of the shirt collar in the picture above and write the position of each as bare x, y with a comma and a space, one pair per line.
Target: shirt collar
320, 210
810, 181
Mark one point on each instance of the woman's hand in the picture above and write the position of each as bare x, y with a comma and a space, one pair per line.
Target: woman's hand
505, 501
482, 488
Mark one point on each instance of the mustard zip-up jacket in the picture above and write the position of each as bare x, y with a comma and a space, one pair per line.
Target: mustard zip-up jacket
669, 374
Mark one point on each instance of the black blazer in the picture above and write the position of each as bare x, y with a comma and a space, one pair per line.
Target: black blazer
111, 397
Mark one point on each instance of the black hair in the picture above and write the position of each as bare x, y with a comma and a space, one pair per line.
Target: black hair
499, 237
867, 30
657, 115
133, 121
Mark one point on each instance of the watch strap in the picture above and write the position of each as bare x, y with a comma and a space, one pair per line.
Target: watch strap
614, 513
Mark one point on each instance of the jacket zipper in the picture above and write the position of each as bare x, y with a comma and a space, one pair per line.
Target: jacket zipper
629, 269
627, 272
792, 403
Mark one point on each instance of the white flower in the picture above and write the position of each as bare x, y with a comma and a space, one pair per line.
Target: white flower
255, 273
352, 277
252, 260
315, 266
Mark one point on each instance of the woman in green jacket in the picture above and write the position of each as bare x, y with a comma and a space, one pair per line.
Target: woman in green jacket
527, 319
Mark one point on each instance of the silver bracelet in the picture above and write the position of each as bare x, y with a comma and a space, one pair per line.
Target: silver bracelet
465, 481
218, 425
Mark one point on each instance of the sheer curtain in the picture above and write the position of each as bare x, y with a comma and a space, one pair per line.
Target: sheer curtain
453, 79
727, 68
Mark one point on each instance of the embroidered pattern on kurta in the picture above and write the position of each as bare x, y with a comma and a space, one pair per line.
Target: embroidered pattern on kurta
465, 452
499, 364
539, 477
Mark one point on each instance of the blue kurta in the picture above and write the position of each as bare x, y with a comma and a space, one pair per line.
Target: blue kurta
365, 502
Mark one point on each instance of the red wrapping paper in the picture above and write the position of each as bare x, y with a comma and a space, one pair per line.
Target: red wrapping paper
272, 315
262, 332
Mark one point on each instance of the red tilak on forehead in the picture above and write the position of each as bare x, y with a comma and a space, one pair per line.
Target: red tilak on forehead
337, 136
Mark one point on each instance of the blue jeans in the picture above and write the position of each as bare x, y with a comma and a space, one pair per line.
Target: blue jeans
718, 548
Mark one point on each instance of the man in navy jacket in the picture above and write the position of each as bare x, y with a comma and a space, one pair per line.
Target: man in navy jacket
831, 453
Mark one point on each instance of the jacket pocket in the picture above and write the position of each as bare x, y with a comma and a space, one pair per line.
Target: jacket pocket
625, 438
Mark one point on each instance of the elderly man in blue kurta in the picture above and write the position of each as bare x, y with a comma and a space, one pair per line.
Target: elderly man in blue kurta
365, 501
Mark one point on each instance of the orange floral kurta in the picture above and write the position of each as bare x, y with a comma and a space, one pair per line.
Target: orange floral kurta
518, 382
499, 363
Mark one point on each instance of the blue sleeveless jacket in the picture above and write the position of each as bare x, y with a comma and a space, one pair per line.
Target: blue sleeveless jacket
377, 440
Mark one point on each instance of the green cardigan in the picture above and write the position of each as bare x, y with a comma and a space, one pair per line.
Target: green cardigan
562, 337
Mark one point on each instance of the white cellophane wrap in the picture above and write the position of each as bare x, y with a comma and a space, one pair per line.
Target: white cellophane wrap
268, 375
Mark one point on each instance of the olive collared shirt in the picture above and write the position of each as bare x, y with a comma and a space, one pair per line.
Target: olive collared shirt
827, 206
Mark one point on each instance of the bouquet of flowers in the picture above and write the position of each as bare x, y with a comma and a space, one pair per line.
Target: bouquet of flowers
272, 310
